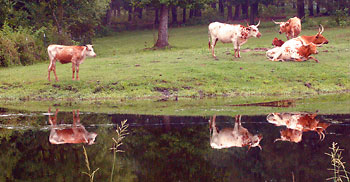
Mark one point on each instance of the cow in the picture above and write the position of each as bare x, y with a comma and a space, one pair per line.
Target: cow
296, 124
231, 33
68, 54
77, 133
277, 42
298, 49
232, 137
292, 27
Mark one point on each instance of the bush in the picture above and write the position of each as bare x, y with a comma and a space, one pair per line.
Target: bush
340, 16
20, 47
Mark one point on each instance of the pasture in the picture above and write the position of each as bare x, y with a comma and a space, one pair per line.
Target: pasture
125, 68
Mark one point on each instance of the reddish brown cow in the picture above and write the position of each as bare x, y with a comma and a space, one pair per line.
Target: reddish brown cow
232, 137
296, 124
68, 54
292, 27
298, 49
74, 134
277, 42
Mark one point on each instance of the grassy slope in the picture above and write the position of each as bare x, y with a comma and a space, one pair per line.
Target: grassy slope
123, 69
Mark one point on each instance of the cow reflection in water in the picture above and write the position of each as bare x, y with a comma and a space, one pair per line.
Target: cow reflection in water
61, 134
296, 124
232, 137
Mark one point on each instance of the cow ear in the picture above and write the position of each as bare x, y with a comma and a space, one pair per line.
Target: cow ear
248, 28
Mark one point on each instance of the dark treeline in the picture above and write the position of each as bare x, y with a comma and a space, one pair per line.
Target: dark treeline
33, 24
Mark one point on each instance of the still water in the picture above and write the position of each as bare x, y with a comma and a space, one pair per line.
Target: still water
291, 146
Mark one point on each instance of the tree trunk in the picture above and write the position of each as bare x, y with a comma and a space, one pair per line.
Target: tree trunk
213, 5
294, 5
156, 16
237, 11
184, 15
311, 7
197, 12
130, 14
118, 10
221, 7
283, 5
254, 8
191, 13
109, 14
245, 7
318, 7
163, 28
139, 12
174, 14
300, 8
229, 10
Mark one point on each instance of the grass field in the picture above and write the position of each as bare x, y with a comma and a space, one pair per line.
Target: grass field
124, 69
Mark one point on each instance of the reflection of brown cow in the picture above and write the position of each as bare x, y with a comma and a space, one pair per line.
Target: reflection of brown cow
296, 124
232, 137
74, 134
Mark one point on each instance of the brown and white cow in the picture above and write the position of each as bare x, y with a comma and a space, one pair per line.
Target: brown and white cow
68, 54
296, 124
232, 137
231, 33
298, 49
277, 42
292, 27
61, 134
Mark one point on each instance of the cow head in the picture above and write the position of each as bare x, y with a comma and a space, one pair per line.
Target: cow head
91, 138
319, 38
90, 51
253, 30
255, 141
284, 26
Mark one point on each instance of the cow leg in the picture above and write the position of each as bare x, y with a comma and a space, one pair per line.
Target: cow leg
77, 70
311, 57
239, 52
52, 67
73, 70
214, 40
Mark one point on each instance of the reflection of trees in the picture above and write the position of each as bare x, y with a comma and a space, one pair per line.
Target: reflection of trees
181, 153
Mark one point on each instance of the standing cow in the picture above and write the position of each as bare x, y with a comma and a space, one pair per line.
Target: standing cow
292, 27
68, 54
298, 49
232, 137
228, 33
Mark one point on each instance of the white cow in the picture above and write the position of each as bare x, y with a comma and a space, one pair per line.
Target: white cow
68, 54
232, 137
231, 33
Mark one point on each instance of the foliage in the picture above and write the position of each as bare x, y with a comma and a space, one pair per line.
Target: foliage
20, 46
89, 173
339, 169
341, 17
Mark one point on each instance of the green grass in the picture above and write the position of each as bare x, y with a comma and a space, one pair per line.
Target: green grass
124, 69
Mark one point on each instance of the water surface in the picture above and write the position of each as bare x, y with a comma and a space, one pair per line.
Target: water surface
162, 148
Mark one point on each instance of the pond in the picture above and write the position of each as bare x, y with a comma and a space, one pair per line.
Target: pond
276, 146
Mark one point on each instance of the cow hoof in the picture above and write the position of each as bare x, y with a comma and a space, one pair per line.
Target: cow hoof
216, 59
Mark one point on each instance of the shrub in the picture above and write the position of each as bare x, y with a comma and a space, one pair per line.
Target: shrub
340, 16
20, 47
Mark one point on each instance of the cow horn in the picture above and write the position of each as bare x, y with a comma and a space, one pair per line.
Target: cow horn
320, 29
247, 23
276, 22
260, 147
258, 24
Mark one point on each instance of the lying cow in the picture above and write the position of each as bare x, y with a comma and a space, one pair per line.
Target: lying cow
68, 54
74, 134
232, 137
296, 124
228, 33
298, 49
292, 27
277, 42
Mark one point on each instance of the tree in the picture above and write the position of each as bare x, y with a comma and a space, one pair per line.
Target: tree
300, 8
163, 28
311, 7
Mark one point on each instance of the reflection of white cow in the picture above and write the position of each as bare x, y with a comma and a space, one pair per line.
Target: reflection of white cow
232, 137
75, 134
